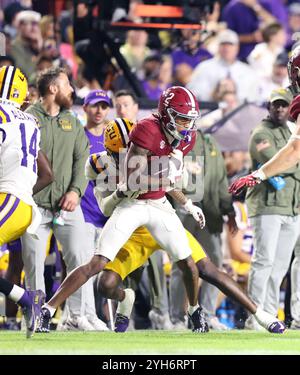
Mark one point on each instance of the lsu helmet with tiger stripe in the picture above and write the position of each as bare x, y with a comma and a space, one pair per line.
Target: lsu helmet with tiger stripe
116, 134
13, 85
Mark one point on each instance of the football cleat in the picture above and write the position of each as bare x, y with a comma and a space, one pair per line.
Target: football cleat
277, 327
269, 322
45, 318
121, 323
32, 312
198, 321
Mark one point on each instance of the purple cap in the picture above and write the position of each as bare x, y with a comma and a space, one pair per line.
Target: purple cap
97, 96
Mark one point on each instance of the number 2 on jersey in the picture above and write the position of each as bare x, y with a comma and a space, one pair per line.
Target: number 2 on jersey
32, 147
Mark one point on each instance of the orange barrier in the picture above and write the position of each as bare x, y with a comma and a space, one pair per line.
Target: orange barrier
166, 11
150, 25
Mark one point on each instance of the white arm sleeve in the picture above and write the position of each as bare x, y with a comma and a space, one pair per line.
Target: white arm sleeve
294, 136
90, 174
106, 204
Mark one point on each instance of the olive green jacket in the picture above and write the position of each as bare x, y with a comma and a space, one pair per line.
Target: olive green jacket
266, 140
216, 200
24, 58
64, 142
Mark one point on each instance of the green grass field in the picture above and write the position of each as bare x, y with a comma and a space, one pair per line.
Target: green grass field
151, 342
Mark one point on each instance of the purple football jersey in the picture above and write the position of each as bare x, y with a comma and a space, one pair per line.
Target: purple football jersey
89, 205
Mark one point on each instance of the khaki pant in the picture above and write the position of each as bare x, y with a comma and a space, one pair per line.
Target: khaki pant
274, 237
75, 250
295, 284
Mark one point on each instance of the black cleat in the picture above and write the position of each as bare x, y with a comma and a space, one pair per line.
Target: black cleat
199, 323
45, 319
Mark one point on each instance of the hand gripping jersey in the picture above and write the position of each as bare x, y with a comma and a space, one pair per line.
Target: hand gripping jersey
149, 134
19, 146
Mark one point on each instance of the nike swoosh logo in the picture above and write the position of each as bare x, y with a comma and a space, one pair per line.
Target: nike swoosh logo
163, 170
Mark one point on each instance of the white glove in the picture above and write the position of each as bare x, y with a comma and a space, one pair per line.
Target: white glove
196, 211
122, 188
175, 166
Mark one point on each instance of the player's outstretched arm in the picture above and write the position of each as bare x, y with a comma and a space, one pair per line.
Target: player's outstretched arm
285, 159
45, 173
289, 155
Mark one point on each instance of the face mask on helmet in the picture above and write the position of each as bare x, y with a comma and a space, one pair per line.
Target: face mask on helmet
180, 125
294, 71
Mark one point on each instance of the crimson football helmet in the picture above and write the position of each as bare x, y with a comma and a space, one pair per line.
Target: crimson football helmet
294, 70
177, 106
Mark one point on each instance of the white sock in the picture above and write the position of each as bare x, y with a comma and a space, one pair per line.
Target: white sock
50, 308
264, 318
16, 293
125, 307
192, 309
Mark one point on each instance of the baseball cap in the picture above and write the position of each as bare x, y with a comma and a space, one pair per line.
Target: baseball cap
27, 16
282, 59
294, 9
228, 36
97, 96
281, 94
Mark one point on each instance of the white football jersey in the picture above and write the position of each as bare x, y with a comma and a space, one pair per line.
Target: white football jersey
19, 146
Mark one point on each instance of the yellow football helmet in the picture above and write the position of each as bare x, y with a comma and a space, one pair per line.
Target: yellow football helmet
4, 258
116, 134
13, 85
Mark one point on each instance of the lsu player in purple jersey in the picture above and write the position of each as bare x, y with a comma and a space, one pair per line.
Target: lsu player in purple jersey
141, 245
24, 170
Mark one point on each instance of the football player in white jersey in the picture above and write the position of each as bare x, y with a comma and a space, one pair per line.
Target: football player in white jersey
24, 171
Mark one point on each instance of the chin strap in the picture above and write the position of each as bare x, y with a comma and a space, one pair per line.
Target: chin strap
175, 143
